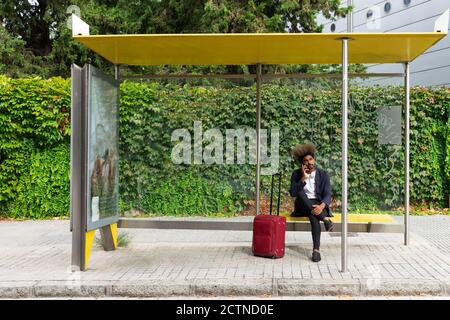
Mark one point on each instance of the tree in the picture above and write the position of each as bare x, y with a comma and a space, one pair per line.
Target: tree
41, 25
33, 21
12, 54
268, 16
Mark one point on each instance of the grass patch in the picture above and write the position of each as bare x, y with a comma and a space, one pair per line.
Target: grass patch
399, 212
140, 214
413, 212
123, 240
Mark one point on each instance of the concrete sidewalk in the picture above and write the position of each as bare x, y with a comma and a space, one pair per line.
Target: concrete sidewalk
35, 262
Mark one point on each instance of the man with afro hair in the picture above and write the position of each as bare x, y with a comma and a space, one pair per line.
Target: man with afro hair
311, 188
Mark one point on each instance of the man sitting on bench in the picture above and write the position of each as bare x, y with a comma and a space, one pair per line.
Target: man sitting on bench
312, 191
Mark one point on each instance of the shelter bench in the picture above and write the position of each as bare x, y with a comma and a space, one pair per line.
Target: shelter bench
356, 223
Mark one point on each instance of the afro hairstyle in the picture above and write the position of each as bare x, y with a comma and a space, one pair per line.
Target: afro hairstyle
302, 150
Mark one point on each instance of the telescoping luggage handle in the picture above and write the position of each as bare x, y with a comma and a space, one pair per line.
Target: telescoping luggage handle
279, 193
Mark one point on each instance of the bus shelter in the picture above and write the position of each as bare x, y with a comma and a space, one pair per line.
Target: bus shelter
95, 114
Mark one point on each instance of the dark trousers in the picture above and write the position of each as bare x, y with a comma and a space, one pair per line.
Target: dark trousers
303, 208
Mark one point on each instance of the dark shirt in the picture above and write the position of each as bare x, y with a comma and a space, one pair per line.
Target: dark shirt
322, 187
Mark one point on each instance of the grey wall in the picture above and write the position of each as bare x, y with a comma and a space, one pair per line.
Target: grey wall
432, 67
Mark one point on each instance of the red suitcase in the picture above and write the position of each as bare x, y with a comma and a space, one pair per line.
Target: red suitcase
269, 234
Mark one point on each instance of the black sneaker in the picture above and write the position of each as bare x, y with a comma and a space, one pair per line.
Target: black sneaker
316, 256
329, 225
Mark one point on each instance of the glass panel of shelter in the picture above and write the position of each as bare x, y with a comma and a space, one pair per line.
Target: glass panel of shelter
187, 147
376, 145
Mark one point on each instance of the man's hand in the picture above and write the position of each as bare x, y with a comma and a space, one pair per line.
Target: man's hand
318, 208
304, 174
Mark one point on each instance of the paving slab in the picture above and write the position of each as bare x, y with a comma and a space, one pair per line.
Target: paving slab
35, 262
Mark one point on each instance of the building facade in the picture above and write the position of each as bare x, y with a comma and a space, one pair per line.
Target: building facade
432, 68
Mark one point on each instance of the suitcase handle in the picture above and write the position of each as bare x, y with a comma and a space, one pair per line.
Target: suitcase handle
279, 193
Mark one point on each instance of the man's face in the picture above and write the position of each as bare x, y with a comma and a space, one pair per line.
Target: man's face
308, 163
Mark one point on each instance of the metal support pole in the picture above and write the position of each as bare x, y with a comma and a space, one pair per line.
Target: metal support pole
116, 71
350, 17
406, 218
258, 136
344, 153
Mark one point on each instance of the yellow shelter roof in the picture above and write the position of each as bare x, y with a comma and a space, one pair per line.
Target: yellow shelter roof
252, 48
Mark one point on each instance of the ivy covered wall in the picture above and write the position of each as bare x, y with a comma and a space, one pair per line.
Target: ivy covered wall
35, 138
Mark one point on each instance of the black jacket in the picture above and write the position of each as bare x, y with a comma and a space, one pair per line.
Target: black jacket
322, 187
